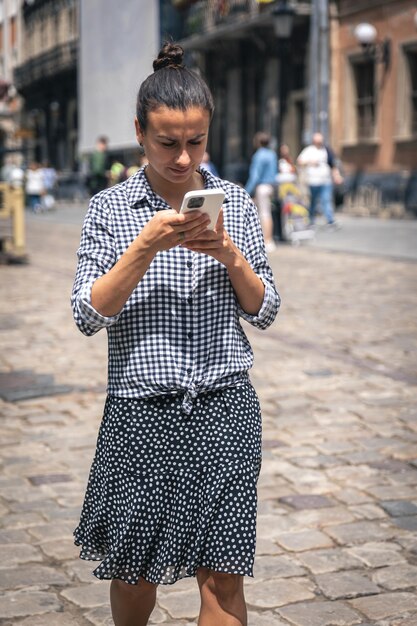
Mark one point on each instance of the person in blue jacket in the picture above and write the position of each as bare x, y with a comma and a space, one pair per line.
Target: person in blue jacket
260, 184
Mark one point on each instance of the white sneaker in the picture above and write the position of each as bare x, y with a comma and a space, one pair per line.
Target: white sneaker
270, 246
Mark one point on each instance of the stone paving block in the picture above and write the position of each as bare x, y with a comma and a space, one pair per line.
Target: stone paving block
22, 520
408, 522
304, 540
17, 553
52, 619
378, 554
404, 621
266, 546
353, 496
23, 603
367, 511
28, 575
88, 596
81, 571
266, 618
324, 561
47, 479
398, 508
360, 532
322, 517
276, 567
60, 549
181, 604
385, 605
49, 532
270, 526
392, 492
14, 536
101, 616
275, 592
307, 501
320, 614
350, 584
396, 577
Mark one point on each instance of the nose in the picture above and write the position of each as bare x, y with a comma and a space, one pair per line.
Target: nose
183, 159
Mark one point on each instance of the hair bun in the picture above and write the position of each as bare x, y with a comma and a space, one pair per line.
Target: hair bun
170, 55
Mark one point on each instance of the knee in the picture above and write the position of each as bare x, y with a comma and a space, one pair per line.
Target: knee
225, 587
142, 589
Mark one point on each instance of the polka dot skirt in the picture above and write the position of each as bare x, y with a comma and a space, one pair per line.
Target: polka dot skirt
169, 493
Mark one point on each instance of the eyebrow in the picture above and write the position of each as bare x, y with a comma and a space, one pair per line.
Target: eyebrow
200, 136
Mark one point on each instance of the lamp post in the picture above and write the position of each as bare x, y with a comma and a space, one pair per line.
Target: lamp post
283, 21
319, 74
380, 51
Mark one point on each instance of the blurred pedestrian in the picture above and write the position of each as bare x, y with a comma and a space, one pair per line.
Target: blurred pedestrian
99, 167
34, 187
320, 172
287, 172
172, 489
260, 184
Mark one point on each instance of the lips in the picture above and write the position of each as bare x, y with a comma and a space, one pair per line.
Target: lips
176, 170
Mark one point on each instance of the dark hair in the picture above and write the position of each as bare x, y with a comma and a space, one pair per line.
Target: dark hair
172, 85
261, 139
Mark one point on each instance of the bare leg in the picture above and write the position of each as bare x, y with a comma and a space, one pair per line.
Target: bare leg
222, 599
131, 605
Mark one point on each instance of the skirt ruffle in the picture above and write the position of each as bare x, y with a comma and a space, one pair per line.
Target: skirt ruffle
162, 523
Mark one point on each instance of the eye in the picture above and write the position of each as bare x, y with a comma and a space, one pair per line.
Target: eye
168, 145
197, 142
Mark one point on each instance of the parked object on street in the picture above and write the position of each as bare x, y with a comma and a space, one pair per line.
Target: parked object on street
172, 489
294, 215
12, 212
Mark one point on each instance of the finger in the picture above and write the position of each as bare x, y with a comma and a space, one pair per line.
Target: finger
220, 221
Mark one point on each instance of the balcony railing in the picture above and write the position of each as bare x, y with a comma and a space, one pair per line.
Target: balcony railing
203, 16
59, 59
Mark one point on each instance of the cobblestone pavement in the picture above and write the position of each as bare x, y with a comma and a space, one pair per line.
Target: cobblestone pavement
337, 378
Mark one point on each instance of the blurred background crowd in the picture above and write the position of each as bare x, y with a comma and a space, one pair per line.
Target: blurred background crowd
291, 69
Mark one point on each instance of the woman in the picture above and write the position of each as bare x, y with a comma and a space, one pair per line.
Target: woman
172, 489
263, 173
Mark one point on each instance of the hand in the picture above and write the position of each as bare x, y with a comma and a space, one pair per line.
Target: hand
168, 229
216, 243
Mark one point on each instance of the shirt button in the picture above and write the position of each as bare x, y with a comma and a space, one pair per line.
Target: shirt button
190, 335
189, 370
189, 264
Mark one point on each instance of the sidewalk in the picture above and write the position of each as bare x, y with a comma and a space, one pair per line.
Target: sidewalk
337, 378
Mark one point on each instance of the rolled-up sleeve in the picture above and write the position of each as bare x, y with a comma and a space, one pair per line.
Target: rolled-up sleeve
96, 256
256, 256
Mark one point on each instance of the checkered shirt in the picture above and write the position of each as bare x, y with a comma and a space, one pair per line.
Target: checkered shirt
179, 331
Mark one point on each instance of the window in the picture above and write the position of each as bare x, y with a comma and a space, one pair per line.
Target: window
364, 78
411, 56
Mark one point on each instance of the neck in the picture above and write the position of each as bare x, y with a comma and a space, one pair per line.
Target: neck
170, 192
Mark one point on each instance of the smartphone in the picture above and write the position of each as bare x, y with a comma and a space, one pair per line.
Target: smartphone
205, 200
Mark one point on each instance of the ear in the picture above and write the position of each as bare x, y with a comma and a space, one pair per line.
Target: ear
139, 131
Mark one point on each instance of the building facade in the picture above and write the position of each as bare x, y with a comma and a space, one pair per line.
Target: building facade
46, 78
10, 101
259, 80
374, 104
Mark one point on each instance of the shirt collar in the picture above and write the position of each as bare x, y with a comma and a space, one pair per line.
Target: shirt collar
138, 188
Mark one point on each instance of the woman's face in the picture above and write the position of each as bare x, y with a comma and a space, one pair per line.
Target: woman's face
174, 141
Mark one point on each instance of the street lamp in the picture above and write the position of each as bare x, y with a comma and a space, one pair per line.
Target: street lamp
283, 19
380, 51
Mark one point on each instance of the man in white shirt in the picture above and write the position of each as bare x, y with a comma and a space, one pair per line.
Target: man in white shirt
320, 172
